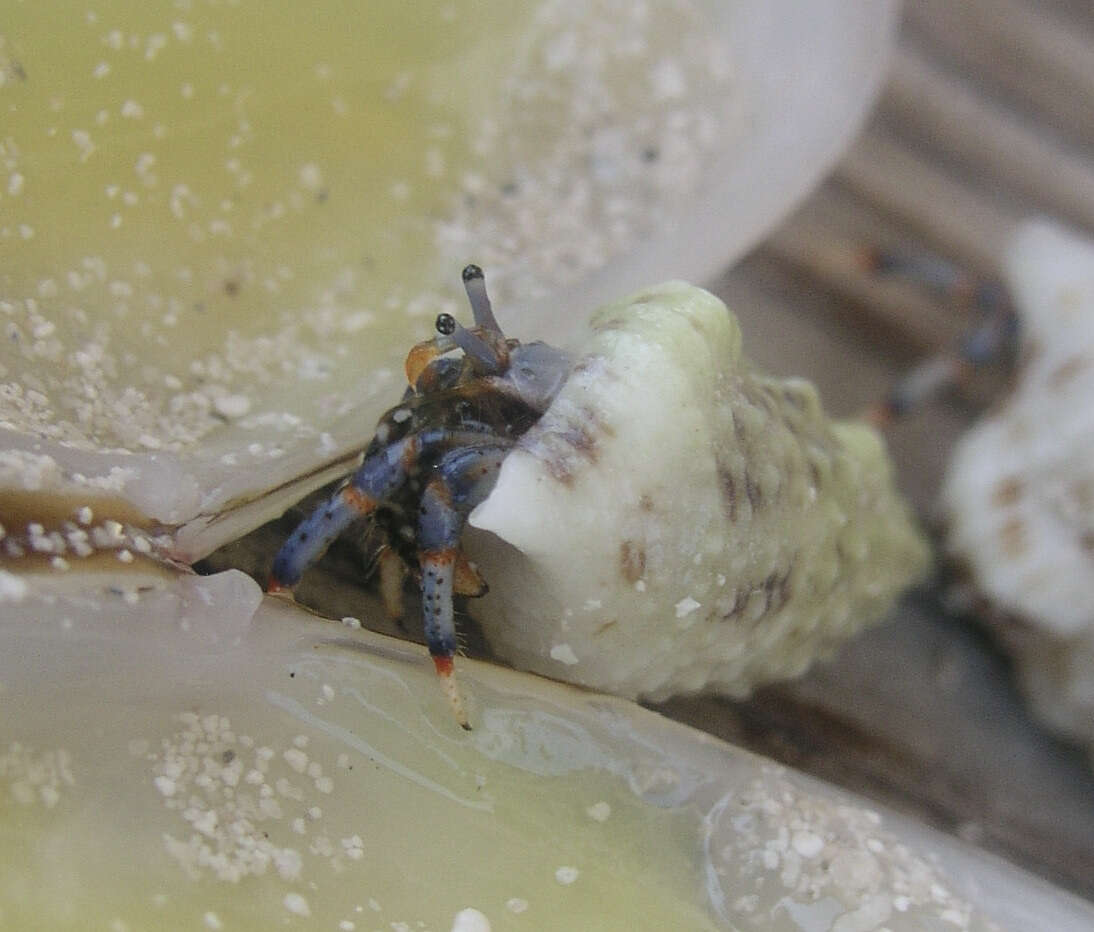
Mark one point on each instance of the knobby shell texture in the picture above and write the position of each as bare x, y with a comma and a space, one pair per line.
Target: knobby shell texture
1019, 492
677, 521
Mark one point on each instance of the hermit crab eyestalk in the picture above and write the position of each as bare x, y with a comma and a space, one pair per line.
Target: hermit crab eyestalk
475, 283
477, 344
474, 346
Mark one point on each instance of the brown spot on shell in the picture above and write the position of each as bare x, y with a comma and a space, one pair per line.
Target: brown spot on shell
776, 589
815, 474
1066, 371
596, 367
1013, 537
1007, 492
755, 495
645, 502
612, 323
842, 556
740, 599
739, 432
729, 493
699, 328
632, 560
559, 468
599, 425
581, 439
646, 297
786, 589
563, 445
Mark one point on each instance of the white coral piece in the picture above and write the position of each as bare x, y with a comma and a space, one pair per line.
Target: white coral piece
1019, 493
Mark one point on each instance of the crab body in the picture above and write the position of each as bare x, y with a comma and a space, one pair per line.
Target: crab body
434, 457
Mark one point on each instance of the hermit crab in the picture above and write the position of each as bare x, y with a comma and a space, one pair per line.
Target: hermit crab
655, 516
434, 457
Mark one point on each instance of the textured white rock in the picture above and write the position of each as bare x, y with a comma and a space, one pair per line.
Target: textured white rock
1019, 492
677, 521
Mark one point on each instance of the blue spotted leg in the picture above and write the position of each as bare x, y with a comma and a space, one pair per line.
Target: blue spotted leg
467, 465
463, 478
379, 478
315, 534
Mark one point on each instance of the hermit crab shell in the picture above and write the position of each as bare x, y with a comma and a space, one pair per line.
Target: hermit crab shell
677, 521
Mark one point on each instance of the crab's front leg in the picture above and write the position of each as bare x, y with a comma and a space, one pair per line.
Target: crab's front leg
316, 533
377, 478
463, 478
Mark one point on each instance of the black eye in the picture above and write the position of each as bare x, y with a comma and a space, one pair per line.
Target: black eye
446, 324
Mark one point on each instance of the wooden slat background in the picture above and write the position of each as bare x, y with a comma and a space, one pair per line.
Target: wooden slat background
988, 118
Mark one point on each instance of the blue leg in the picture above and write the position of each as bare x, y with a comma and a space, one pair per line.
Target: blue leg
992, 336
378, 478
315, 534
463, 478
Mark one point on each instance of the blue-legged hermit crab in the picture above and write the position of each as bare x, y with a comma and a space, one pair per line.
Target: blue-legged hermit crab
657, 516
434, 457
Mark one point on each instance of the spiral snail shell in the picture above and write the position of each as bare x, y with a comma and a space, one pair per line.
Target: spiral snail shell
677, 521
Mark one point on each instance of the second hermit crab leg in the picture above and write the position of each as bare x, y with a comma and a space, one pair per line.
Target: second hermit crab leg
991, 338
463, 478
378, 477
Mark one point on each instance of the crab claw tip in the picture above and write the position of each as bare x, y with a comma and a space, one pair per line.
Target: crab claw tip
274, 586
444, 669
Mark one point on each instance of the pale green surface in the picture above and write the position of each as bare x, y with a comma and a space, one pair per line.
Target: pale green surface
292, 762
227, 201
443, 819
225, 223
679, 522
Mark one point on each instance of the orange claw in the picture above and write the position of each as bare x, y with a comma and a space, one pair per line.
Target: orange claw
274, 586
420, 356
468, 580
